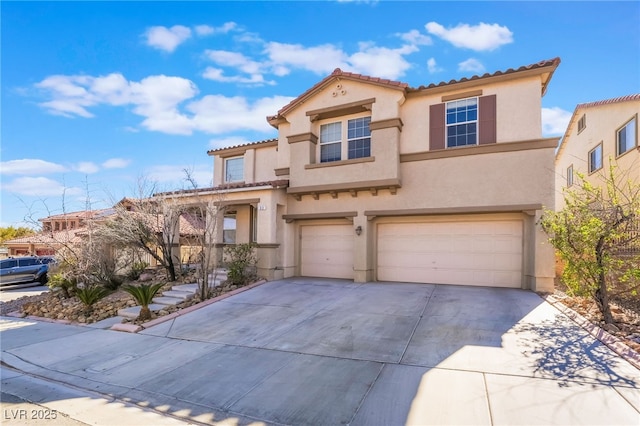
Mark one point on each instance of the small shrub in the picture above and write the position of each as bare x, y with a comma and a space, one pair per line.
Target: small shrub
89, 295
68, 286
144, 295
112, 283
240, 264
136, 270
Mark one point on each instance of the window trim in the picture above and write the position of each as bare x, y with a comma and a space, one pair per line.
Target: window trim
635, 130
570, 176
226, 169
448, 125
589, 163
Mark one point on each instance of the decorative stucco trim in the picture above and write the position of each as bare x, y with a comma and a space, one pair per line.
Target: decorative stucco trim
386, 124
515, 208
480, 149
340, 110
243, 201
268, 245
462, 95
346, 186
340, 163
311, 216
283, 171
303, 137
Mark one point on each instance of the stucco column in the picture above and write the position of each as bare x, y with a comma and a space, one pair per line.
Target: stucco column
544, 266
361, 249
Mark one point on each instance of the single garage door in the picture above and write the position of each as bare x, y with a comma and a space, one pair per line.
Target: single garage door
483, 253
326, 251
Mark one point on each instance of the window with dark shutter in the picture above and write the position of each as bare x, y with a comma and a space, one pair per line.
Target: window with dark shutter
436, 127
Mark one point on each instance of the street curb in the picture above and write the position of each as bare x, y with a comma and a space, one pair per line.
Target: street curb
609, 340
195, 307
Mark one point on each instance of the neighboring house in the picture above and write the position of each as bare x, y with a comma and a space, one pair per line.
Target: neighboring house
599, 134
373, 180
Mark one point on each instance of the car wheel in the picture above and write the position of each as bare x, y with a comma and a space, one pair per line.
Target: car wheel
43, 279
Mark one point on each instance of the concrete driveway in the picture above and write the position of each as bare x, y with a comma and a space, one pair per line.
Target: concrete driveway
330, 352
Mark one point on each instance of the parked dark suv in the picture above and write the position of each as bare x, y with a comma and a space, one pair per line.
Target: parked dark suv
21, 270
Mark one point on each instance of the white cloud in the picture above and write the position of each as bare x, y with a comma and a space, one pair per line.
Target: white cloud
432, 66
381, 61
475, 37
415, 37
175, 175
167, 39
307, 58
116, 163
217, 74
29, 166
86, 167
227, 142
471, 65
555, 121
39, 187
204, 30
234, 59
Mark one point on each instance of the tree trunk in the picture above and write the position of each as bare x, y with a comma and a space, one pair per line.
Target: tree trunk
602, 295
145, 313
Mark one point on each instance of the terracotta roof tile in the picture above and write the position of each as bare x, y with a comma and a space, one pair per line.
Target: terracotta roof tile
280, 183
265, 141
627, 98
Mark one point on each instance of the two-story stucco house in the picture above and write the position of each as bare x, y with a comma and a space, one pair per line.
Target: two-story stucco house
599, 134
373, 180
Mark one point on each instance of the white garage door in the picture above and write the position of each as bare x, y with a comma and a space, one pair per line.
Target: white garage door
326, 251
483, 253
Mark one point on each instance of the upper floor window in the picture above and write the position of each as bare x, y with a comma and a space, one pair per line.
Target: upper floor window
582, 123
462, 122
626, 137
570, 176
234, 169
595, 158
358, 138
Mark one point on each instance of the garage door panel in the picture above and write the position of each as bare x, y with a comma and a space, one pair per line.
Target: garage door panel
326, 251
486, 253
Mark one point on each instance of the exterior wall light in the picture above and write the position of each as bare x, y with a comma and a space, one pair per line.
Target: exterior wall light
358, 230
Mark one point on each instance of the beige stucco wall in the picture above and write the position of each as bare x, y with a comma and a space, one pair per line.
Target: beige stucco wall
602, 124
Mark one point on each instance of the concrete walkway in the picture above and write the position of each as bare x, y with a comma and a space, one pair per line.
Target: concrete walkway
328, 352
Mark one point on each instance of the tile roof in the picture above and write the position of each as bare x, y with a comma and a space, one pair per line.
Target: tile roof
48, 237
627, 98
542, 64
265, 141
280, 183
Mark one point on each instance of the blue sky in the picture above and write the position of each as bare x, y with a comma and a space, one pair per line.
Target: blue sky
96, 95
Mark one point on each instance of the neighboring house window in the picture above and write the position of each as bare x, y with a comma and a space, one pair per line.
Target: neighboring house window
358, 138
569, 175
330, 142
462, 122
626, 137
57, 226
595, 159
234, 169
582, 123
229, 228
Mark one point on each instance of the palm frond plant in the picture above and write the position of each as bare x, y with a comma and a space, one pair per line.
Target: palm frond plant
89, 295
144, 295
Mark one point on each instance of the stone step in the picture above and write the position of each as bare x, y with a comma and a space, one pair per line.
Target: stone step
191, 288
134, 311
167, 301
178, 294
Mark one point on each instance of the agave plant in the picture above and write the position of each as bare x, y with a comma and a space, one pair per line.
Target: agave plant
89, 295
144, 295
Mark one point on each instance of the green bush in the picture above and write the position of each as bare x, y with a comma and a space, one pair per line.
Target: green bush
89, 295
68, 286
144, 295
240, 264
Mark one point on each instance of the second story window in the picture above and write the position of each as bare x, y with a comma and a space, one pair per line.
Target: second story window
570, 176
626, 137
462, 122
357, 137
234, 169
595, 159
582, 123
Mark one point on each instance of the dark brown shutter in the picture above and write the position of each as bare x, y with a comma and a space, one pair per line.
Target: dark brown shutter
436, 127
487, 120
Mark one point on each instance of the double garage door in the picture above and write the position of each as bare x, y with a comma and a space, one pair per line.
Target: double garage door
470, 252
